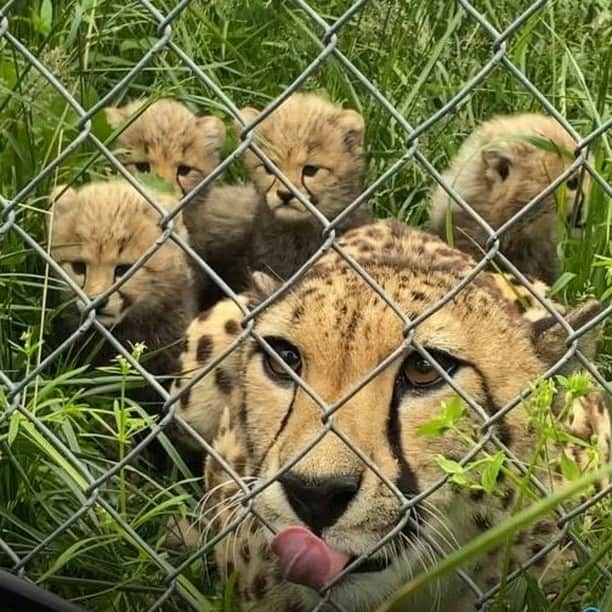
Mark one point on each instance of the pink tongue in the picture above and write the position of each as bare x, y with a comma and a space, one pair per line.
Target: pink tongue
306, 559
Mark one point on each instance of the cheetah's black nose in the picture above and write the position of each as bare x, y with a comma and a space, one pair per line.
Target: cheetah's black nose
319, 503
284, 196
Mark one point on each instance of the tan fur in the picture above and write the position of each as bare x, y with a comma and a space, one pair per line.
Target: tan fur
307, 130
168, 137
343, 330
102, 226
261, 232
478, 173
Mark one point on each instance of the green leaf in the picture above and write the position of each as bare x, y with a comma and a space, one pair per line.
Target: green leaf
449, 466
488, 478
436, 427
46, 15
563, 281
73, 551
14, 422
453, 410
569, 468
156, 183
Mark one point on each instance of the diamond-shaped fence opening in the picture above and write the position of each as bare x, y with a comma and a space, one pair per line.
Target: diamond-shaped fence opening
101, 502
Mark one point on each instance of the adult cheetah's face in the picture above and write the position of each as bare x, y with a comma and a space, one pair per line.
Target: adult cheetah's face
333, 331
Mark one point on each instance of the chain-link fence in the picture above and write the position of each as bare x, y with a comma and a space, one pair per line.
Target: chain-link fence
94, 490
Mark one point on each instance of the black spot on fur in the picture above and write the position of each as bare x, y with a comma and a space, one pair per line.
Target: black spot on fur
204, 350
544, 527
223, 380
185, 398
260, 585
476, 494
507, 498
535, 548
482, 522
245, 552
231, 327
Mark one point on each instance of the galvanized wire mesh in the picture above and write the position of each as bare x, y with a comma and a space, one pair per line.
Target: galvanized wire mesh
94, 484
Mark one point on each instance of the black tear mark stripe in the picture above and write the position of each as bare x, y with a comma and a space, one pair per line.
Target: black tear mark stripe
406, 480
283, 423
503, 430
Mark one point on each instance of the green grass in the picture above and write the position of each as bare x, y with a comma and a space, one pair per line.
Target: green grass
418, 54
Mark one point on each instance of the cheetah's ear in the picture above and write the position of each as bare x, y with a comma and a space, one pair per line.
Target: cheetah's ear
62, 199
264, 285
550, 337
213, 131
115, 116
498, 161
249, 114
353, 128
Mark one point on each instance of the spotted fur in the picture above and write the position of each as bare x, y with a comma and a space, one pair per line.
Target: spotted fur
497, 171
343, 330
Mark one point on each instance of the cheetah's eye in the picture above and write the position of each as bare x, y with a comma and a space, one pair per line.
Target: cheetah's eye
121, 270
183, 170
144, 167
418, 372
78, 267
572, 183
288, 353
310, 170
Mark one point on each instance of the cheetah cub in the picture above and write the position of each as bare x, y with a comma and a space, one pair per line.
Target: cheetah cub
168, 140
98, 232
497, 171
318, 146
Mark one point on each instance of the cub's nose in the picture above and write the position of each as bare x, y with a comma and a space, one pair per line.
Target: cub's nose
319, 503
284, 196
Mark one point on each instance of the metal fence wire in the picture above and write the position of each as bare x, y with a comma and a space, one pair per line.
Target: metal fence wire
94, 486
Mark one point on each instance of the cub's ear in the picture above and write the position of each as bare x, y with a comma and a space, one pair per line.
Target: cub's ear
264, 285
62, 198
115, 116
213, 131
249, 114
550, 338
353, 128
498, 161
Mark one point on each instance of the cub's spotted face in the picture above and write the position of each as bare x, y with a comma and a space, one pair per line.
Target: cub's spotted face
168, 140
329, 510
99, 231
318, 146
502, 166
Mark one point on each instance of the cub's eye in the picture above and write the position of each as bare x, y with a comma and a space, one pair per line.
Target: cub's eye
78, 267
418, 372
121, 269
310, 170
288, 353
572, 183
144, 167
183, 170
